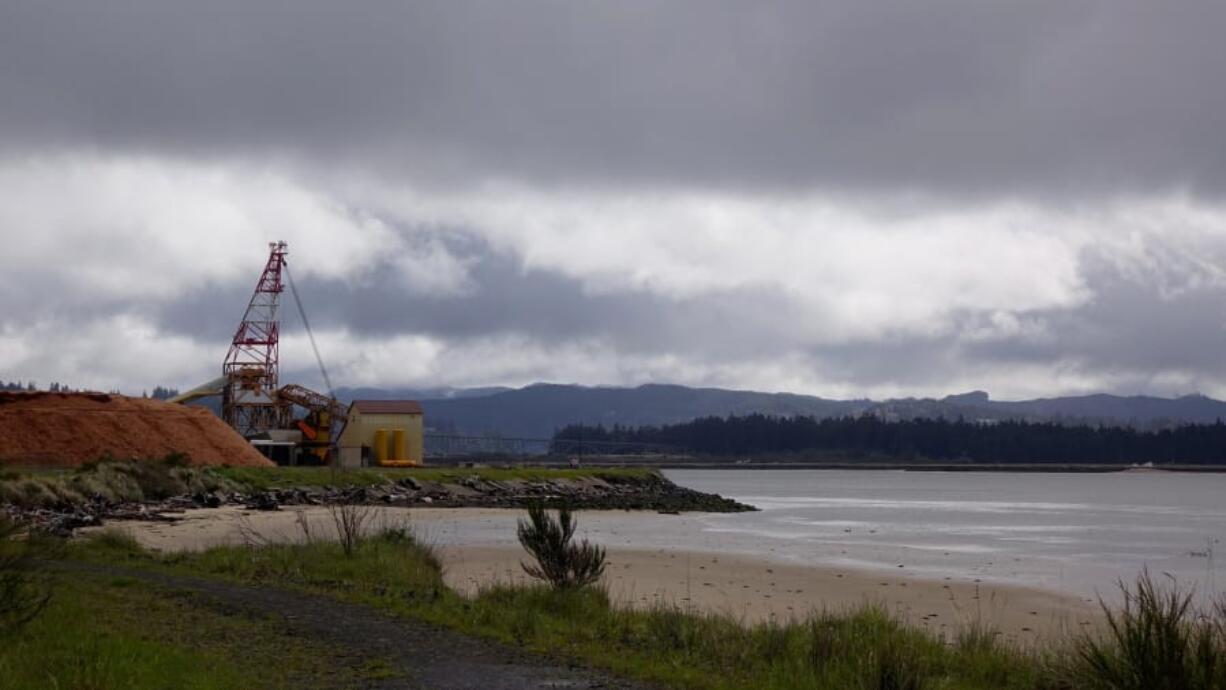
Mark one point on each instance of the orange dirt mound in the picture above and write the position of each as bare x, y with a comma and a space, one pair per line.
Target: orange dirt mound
67, 429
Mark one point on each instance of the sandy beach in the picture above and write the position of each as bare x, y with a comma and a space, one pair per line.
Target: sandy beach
756, 590
478, 549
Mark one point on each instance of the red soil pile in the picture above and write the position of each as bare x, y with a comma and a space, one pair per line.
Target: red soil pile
67, 429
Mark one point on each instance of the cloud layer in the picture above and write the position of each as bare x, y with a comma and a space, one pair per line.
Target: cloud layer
844, 199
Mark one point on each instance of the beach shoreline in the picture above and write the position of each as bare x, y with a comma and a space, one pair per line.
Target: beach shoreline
478, 549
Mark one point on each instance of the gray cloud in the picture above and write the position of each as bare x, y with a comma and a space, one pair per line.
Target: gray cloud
508, 299
1165, 321
841, 198
945, 97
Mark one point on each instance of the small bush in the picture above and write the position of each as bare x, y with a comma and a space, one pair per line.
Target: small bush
24, 590
559, 561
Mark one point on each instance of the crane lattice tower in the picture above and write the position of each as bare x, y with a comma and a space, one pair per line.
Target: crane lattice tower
250, 403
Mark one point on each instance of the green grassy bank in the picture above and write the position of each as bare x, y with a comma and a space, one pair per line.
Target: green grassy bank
102, 632
852, 650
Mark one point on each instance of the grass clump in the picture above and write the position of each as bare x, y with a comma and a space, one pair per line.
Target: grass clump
111, 544
1157, 641
558, 559
25, 589
351, 521
390, 562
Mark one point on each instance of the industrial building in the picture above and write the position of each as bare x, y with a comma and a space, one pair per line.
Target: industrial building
387, 433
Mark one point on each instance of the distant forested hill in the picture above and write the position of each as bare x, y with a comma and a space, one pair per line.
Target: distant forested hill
538, 410
920, 440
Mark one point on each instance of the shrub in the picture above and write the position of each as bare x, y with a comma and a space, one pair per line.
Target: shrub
24, 590
559, 561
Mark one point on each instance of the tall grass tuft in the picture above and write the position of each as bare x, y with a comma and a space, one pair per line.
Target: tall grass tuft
559, 561
1157, 641
351, 521
24, 589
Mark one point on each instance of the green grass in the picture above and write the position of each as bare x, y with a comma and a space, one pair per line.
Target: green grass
114, 632
863, 648
1156, 642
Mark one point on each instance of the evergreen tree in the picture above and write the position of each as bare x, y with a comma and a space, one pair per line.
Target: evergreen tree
918, 439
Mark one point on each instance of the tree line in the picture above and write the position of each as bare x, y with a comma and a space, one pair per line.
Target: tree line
938, 440
31, 386
159, 392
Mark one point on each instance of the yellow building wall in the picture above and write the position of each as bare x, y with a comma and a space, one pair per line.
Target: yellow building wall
360, 431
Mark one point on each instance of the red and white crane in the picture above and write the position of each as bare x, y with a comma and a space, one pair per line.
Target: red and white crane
249, 400
252, 400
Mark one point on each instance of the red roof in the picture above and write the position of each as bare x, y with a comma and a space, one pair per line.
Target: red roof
387, 406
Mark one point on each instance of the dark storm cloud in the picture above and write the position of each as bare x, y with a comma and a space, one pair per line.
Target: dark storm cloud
1167, 317
1054, 97
504, 298
706, 191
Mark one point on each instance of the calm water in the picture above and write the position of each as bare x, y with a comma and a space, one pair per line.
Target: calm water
1071, 532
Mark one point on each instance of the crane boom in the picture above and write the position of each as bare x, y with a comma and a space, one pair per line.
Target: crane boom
310, 400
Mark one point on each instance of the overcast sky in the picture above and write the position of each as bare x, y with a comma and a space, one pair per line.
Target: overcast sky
842, 198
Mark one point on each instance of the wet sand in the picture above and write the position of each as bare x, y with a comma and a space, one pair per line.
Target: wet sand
478, 549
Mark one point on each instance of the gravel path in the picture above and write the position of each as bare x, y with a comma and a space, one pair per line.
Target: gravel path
431, 658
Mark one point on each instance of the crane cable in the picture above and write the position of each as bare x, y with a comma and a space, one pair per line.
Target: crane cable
311, 336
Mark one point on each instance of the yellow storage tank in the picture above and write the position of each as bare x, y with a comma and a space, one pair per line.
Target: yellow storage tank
380, 444
398, 451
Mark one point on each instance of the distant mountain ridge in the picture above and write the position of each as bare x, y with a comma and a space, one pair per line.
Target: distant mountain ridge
1141, 411
536, 411
441, 393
